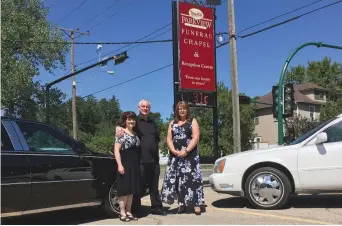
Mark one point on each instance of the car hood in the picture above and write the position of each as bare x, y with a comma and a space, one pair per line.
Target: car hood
259, 151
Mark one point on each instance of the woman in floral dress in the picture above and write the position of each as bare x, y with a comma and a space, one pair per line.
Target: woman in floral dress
183, 176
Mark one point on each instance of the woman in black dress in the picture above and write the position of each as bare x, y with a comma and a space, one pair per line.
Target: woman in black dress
183, 176
127, 155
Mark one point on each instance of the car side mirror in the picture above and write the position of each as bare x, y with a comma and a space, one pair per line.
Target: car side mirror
321, 138
80, 147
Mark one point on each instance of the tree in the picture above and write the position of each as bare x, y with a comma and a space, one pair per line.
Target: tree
299, 125
324, 73
24, 26
330, 110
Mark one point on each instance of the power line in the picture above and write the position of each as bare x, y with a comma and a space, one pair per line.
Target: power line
155, 31
289, 20
171, 23
121, 10
273, 18
79, 6
129, 80
92, 43
151, 39
219, 46
100, 13
137, 77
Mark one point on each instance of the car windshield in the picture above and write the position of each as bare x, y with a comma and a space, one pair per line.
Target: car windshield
308, 134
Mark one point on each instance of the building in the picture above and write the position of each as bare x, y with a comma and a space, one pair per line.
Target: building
308, 99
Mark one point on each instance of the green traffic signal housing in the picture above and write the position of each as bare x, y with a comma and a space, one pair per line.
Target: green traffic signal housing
289, 101
275, 101
120, 58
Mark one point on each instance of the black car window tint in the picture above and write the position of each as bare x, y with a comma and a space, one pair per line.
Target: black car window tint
41, 138
334, 133
6, 143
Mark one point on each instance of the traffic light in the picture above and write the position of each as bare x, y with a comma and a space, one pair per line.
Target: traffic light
104, 63
244, 99
120, 58
289, 104
275, 101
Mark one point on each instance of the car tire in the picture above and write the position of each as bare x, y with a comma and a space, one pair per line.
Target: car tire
111, 202
268, 188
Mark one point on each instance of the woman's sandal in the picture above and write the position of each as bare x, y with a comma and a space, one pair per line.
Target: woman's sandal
197, 211
125, 218
132, 217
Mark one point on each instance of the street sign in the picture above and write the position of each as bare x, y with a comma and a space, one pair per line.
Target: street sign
196, 45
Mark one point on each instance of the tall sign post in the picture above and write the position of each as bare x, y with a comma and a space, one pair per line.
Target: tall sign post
194, 58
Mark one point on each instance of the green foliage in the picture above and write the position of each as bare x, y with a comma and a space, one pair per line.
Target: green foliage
301, 125
101, 144
325, 73
330, 110
23, 23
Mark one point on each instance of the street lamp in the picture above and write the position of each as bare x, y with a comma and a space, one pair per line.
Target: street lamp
221, 37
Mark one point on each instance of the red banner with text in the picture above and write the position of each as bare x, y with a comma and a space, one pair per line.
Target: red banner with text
196, 47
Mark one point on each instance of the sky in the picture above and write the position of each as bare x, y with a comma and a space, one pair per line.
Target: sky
260, 57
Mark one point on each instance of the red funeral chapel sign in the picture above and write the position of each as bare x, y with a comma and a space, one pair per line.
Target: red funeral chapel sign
196, 47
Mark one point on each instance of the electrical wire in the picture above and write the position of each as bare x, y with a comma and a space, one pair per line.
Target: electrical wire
219, 46
121, 10
79, 6
129, 80
148, 35
289, 20
100, 13
93, 43
284, 14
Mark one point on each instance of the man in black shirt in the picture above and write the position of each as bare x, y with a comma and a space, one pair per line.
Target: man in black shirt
148, 133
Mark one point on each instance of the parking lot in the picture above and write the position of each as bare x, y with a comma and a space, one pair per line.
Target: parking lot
221, 209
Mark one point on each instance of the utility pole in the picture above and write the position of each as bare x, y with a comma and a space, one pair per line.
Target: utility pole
72, 54
234, 77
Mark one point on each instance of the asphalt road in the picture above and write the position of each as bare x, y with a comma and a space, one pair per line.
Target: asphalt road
221, 209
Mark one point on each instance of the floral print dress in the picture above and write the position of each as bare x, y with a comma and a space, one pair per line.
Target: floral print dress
183, 176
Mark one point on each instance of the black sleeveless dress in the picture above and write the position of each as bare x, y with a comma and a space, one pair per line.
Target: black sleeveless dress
183, 176
129, 182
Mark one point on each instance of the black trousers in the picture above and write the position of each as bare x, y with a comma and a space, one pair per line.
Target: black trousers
149, 176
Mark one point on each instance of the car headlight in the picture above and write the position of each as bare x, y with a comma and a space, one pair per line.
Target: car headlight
219, 166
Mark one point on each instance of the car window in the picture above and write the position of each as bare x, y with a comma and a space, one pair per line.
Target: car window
6, 143
42, 138
334, 133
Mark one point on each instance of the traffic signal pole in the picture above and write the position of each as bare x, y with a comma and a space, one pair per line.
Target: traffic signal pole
117, 59
281, 83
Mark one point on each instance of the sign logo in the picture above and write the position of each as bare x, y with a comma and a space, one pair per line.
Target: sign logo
196, 14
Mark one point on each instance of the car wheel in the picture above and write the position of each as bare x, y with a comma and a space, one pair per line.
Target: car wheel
268, 188
111, 202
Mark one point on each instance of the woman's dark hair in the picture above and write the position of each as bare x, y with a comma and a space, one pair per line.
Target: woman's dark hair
125, 116
182, 104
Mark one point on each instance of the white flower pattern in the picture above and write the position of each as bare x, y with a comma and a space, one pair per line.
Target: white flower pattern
183, 176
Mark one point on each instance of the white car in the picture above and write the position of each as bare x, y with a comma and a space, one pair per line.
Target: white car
267, 177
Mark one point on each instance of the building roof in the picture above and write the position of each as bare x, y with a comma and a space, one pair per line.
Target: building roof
298, 95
